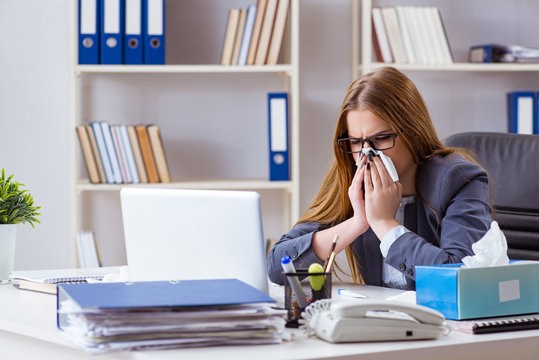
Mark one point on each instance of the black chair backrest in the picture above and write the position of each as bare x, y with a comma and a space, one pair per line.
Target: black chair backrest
512, 162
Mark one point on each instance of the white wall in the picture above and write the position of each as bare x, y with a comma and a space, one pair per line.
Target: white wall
34, 102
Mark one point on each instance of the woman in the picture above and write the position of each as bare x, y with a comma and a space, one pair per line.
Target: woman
434, 213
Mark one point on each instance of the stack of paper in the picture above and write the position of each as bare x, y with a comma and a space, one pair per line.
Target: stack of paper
106, 317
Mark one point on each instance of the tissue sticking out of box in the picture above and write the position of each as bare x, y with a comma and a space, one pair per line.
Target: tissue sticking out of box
490, 250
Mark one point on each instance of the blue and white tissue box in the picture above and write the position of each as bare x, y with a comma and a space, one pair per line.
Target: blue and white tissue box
469, 293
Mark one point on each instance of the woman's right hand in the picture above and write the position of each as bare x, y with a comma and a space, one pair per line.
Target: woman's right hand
356, 193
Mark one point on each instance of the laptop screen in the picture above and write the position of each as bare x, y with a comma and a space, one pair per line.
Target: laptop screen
177, 234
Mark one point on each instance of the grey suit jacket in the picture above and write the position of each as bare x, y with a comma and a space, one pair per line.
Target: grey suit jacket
458, 192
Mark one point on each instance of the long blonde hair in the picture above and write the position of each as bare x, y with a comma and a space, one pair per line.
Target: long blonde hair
392, 97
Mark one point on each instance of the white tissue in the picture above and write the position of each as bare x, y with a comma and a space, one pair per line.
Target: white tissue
490, 250
388, 163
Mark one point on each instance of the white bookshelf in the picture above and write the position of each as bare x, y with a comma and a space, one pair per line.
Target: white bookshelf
287, 74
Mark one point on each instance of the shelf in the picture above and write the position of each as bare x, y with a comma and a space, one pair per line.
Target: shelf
168, 69
472, 67
208, 185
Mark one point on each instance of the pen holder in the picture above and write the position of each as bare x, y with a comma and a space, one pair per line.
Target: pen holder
311, 295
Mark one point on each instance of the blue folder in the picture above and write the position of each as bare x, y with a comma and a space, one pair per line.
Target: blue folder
133, 43
160, 294
111, 31
89, 32
522, 112
279, 168
154, 32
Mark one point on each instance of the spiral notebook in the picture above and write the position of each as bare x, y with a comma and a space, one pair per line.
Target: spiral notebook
490, 325
54, 276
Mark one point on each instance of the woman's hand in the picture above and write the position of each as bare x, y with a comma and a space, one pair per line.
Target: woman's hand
382, 197
356, 193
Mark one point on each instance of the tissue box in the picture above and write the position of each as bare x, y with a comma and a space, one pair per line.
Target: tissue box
468, 293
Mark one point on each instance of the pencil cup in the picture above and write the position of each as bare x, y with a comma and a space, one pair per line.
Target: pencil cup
315, 286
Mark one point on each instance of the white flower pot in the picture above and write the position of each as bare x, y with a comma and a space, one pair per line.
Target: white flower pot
8, 234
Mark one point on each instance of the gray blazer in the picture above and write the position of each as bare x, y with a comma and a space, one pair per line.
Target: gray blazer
458, 192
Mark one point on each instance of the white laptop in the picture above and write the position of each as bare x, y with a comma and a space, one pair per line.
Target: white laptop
176, 234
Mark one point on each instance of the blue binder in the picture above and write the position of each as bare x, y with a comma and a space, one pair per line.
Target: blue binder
133, 43
154, 32
522, 112
111, 31
156, 295
89, 32
279, 168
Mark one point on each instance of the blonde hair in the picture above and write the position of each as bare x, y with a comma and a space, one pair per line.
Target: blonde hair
392, 97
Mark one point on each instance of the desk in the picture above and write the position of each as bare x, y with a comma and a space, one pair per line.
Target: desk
28, 331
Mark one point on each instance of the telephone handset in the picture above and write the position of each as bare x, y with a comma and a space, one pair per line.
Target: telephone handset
376, 320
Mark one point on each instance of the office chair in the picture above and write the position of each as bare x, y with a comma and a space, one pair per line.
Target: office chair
512, 162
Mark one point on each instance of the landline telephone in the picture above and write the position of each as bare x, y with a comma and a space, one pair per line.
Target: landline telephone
373, 320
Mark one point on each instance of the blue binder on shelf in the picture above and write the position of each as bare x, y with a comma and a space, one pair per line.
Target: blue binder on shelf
522, 111
154, 32
111, 31
133, 43
279, 164
89, 32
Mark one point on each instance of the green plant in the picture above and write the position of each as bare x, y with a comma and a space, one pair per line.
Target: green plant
16, 205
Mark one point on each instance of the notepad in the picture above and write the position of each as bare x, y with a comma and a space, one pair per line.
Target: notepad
490, 325
55, 276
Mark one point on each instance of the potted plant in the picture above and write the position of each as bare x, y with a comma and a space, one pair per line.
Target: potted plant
16, 207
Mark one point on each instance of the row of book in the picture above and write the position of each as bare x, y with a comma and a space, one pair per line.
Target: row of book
410, 35
121, 32
116, 154
253, 36
523, 112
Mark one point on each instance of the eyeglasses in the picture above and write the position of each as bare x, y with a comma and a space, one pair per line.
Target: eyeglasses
378, 142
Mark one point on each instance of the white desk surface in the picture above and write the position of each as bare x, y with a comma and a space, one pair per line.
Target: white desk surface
28, 331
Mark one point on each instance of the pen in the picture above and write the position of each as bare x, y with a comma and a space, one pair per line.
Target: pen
335, 239
288, 267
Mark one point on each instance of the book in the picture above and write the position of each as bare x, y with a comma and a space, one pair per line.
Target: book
103, 154
239, 35
498, 324
95, 150
87, 250
136, 153
158, 153
379, 37
128, 153
441, 33
492, 53
88, 154
278, 32
406, 30
122, 161
265, 34
257, 28
230, 36
247, 35
147, 154
391, 22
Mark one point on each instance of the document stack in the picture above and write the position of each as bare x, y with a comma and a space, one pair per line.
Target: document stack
105, 317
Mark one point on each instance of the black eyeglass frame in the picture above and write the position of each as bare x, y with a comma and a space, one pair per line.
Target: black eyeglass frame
342, 141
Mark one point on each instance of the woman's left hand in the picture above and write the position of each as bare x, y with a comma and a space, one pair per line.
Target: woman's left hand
382, 197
